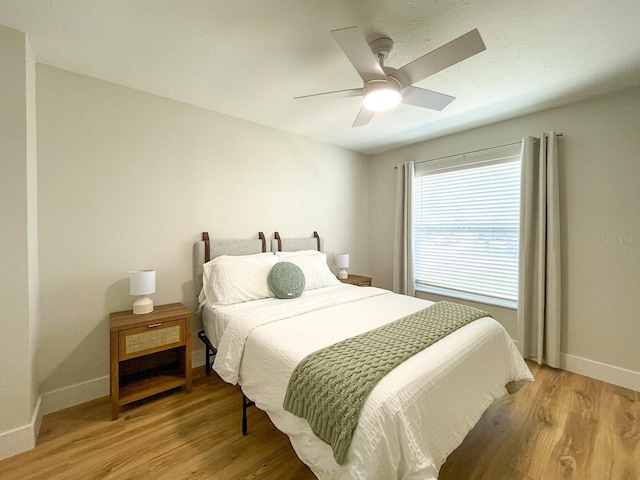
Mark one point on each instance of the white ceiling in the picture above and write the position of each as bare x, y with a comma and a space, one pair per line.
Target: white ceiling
249, 58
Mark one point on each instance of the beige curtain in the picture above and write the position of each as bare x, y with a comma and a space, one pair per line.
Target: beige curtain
403, 280
539, 262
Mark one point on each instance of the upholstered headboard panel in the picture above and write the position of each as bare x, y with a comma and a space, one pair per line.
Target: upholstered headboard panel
207, 249
279, 244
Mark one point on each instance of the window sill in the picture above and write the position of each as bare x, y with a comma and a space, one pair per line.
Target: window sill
472, 297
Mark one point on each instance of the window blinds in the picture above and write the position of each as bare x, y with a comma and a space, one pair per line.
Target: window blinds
466, 224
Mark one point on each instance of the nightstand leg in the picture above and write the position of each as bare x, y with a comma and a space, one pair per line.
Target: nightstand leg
115, 410
187, 357
115, 377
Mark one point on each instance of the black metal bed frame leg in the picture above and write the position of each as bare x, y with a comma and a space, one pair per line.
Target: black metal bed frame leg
246, 403
209, 350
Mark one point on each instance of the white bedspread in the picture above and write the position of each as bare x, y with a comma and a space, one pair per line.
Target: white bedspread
413, 418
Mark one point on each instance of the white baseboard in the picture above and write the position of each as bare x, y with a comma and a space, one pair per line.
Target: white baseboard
601, 371
23, 438
90, 390
75, 394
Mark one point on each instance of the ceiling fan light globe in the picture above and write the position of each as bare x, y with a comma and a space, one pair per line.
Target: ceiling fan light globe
382, 94
381, 99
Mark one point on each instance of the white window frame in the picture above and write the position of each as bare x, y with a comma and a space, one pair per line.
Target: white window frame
506, 154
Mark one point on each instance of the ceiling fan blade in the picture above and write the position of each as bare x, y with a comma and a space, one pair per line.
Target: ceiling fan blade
443, 57
357, 50
353, 92
424, 98
363, 118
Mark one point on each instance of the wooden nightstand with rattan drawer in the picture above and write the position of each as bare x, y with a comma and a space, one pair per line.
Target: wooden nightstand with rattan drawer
150, 353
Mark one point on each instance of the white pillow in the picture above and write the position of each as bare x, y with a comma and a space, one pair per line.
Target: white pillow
230, 279
299, 253
315, 269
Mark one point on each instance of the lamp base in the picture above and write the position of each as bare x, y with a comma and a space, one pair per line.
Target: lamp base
143, 305
342, 274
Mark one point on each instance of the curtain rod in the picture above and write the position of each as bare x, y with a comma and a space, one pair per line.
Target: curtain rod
559, 134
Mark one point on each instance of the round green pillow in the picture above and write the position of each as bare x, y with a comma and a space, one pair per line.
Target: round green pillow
286, 280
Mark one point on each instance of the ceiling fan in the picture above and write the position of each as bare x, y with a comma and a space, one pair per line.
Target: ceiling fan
385, 87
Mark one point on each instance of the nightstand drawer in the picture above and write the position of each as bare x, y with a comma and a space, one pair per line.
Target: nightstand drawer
153, 338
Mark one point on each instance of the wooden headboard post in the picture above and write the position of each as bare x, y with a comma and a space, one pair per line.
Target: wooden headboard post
264, 241
317, 237
207, 246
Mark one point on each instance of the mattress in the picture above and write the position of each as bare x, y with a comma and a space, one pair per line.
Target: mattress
413, 418
213, 325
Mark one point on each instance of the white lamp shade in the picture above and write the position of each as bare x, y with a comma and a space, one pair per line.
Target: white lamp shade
142, 282
342, 260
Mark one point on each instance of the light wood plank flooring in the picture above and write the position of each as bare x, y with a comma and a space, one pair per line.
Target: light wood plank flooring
563, 426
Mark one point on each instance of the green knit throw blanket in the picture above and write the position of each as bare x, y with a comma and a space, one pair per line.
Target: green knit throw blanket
329, 387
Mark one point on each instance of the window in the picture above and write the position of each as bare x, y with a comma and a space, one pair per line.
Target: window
466, 213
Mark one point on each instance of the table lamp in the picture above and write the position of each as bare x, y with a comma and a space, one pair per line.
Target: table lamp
342, 262
142, 283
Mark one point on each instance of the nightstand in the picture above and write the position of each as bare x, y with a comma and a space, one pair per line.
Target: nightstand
150, 353
358, 280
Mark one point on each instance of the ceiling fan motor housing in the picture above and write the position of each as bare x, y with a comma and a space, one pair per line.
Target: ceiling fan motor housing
381, 48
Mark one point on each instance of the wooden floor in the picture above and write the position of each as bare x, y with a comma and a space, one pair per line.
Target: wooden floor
563, 426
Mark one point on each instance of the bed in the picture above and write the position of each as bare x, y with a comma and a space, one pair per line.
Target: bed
412, 419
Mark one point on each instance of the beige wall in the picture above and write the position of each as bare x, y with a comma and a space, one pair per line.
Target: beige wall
129, 180
18, 242
600, 194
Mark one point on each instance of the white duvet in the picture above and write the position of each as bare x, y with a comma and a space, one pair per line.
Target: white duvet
414, 417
